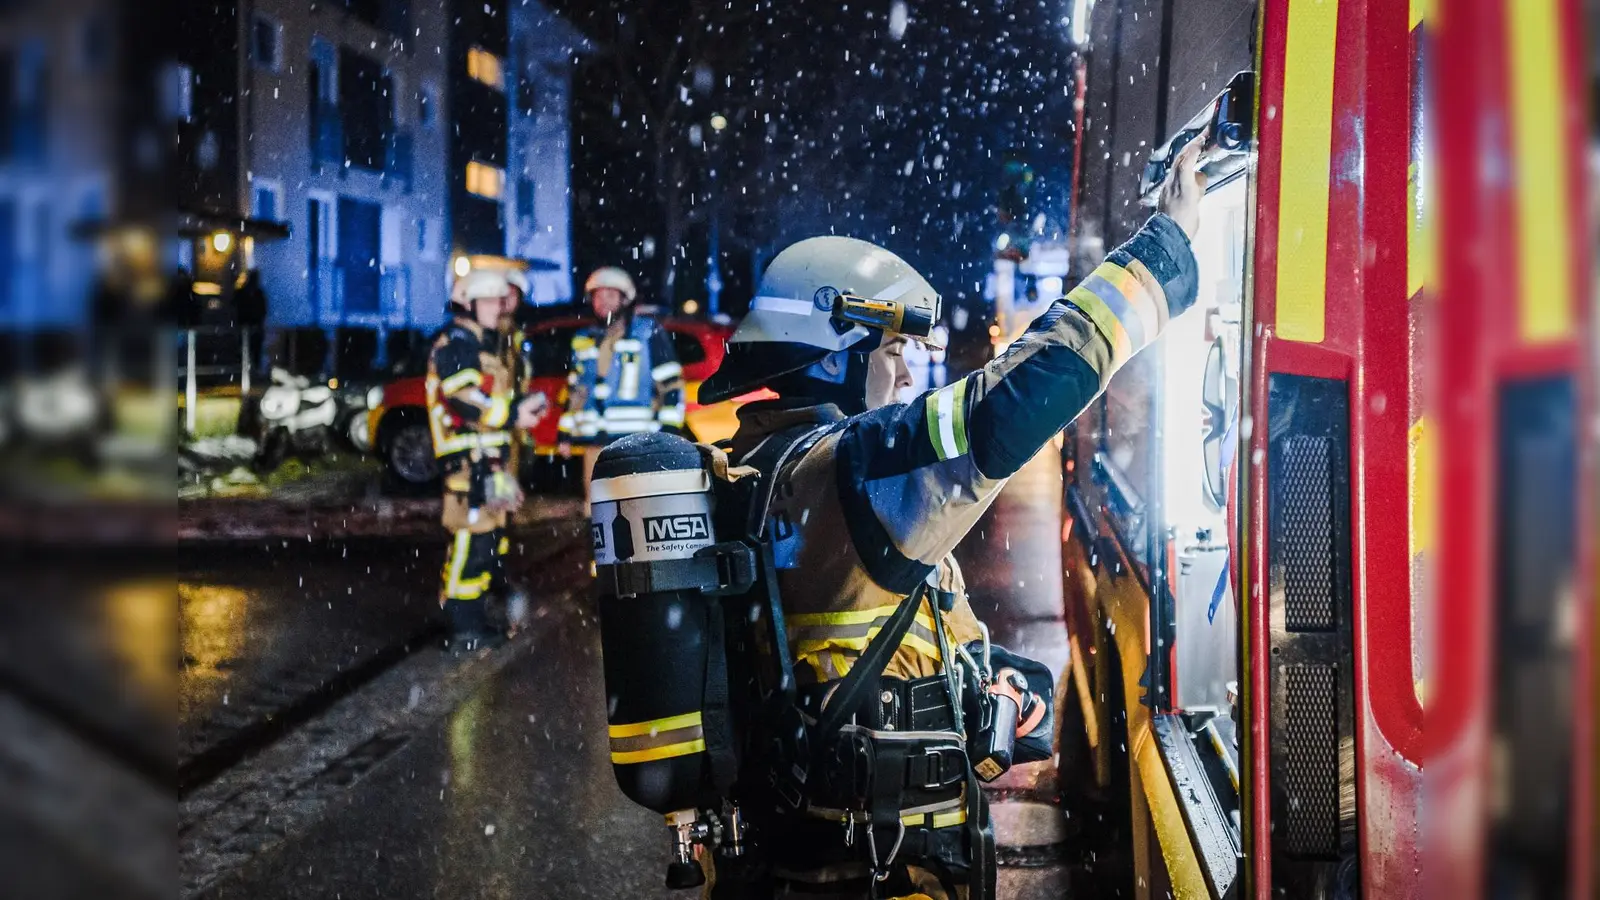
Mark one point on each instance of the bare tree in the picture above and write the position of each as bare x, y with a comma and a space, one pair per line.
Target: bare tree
664, 60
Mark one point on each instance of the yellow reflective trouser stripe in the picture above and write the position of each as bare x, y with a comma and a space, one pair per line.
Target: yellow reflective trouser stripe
454, 588
669, 751
634, 729
504, 546
461, 380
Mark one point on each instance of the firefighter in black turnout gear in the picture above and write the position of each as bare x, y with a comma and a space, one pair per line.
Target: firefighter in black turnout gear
856, 773
473, 406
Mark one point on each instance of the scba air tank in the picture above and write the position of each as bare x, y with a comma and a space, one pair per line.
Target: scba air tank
652, 505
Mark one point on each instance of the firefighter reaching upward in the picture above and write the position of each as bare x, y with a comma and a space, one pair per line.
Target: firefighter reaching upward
871, 496
473, 406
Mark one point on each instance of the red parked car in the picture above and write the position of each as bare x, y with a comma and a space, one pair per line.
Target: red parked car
399, 424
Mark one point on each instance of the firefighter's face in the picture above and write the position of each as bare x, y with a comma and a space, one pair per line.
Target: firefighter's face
489, 310
887, 372
606, 302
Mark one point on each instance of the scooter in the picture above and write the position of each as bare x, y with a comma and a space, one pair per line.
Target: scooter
296, 418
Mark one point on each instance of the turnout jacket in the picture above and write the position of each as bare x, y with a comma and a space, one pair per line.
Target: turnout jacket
624, 378
472, 398
880, 501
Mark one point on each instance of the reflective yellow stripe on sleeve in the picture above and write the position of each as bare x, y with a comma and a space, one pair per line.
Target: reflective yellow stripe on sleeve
498, 412
946, 412
460, 381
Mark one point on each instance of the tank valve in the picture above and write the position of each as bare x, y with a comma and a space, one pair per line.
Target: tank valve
733, 831
689, 831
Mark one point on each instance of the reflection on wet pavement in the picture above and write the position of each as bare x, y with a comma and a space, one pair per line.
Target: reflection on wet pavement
512, 795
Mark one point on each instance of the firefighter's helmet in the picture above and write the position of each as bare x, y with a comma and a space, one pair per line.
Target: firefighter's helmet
611, 277
478, 284
820, 296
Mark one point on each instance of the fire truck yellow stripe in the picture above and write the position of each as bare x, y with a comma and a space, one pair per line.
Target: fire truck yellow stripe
1304, 176
654, 753
1545, 302
634, 729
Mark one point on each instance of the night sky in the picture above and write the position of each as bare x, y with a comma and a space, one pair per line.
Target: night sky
888, 121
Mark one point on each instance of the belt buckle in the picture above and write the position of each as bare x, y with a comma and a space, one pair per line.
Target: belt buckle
933, 761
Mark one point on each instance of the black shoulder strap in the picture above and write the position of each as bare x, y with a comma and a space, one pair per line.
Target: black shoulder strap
769, 458
868, 668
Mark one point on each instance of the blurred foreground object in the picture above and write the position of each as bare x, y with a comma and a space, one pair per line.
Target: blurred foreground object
1511, 801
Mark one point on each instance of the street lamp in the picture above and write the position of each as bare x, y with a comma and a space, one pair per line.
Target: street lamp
714, 263
222, 241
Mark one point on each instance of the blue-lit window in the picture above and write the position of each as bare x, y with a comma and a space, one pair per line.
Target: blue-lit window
427, 107
266, 205
525, 197
266, 43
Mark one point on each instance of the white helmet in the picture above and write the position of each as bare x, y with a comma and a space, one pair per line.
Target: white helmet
477, 285
611, 277
819, 296
517, 279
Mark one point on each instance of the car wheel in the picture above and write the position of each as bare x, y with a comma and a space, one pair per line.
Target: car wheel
409, 454
356, 432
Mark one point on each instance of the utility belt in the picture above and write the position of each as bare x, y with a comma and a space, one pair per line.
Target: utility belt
904, 758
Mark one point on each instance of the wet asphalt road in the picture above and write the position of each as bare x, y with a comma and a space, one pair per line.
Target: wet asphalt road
268, 628
511, 794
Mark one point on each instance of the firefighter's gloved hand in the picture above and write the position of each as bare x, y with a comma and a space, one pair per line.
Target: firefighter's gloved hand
531, 410
1184, 186
501, 493
1030, 683
1030, 706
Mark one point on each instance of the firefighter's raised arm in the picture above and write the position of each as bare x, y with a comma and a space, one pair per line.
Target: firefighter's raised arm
925, 471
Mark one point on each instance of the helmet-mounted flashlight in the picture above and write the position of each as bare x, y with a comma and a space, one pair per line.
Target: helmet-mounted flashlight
914, 319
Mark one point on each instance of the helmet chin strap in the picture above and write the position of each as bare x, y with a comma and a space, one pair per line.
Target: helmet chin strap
839, 378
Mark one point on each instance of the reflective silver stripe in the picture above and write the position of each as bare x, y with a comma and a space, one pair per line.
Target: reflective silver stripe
630, 344
632, 427
587, 353
671, 415
649, 484
666, 370
628, 412
786, 305
471, 442
602, 391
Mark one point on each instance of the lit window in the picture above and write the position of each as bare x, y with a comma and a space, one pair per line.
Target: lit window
485, 180
485, 67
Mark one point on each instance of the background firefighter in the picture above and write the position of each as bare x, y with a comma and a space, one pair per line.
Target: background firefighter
623, 376
473, 403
